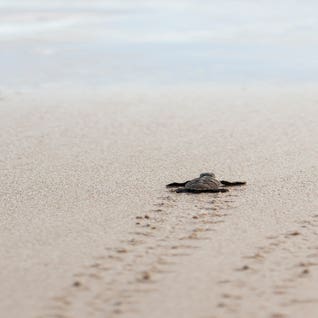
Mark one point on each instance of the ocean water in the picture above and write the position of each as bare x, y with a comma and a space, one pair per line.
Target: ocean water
45, 42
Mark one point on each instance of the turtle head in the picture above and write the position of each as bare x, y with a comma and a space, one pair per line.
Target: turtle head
207, 174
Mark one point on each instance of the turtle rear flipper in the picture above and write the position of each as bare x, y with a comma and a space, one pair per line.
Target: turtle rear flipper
180, 190
232, 184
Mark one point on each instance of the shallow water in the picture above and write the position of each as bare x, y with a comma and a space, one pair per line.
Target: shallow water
159, 42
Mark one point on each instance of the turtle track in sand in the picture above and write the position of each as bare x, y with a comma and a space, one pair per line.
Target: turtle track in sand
114, 283
276, 274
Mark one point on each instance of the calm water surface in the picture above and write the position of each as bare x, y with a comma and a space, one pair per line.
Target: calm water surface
45, 42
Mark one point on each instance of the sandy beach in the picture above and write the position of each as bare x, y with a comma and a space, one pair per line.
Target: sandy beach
89, 229
102, 104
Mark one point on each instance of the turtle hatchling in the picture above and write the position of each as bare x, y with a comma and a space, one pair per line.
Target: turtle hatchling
206, 182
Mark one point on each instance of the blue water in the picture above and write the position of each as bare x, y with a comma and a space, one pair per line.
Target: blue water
159, 42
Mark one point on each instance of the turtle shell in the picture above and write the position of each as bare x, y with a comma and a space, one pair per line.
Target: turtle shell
203, 183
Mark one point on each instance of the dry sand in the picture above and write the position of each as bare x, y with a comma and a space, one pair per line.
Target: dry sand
89, 230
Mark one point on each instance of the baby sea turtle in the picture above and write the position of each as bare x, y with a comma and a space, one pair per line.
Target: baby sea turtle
205, 183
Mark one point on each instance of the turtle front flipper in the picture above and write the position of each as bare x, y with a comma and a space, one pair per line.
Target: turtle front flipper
232, 184
176, 184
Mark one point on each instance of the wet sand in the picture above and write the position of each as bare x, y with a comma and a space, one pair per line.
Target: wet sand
89, 229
